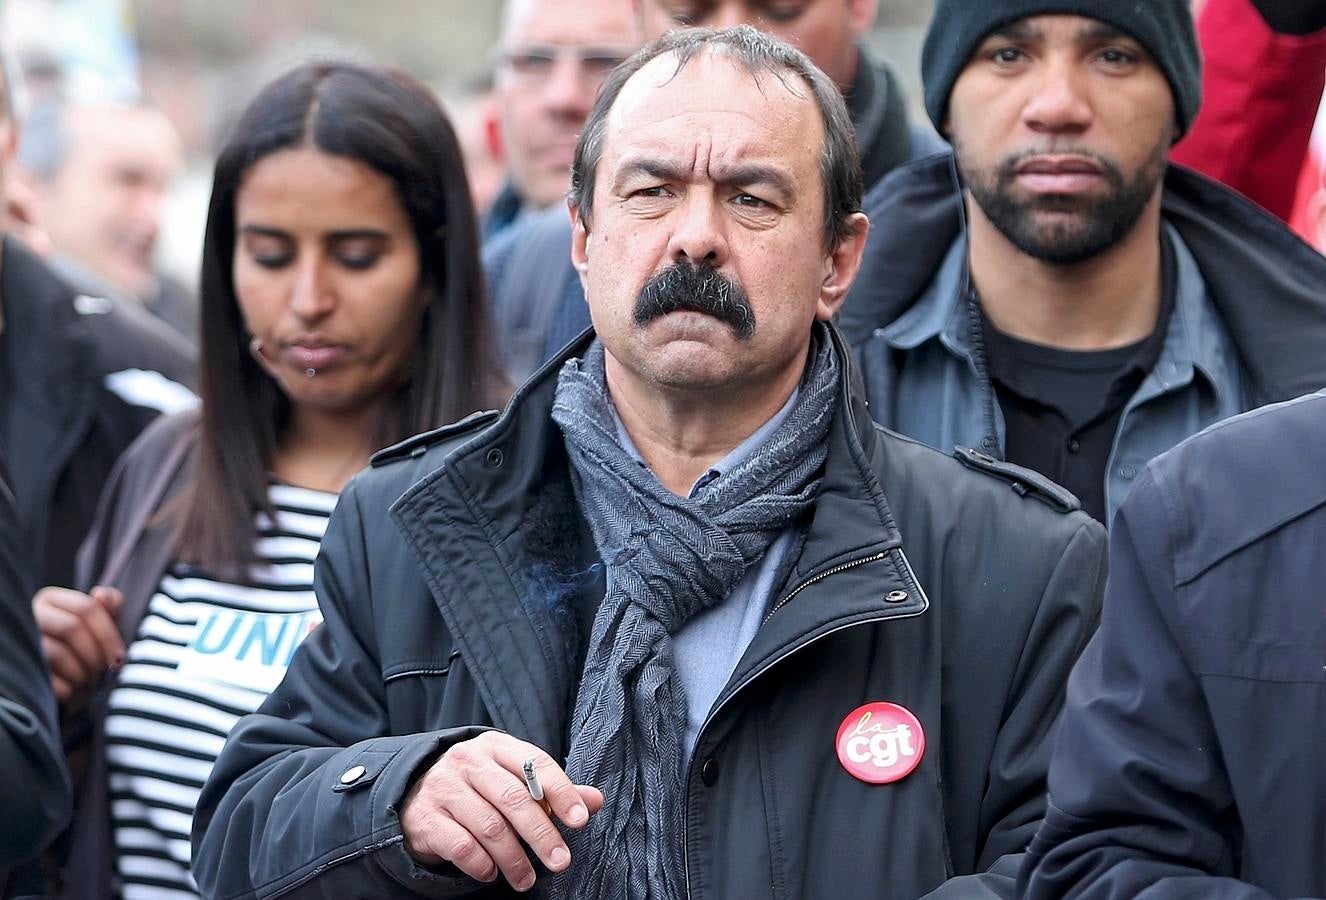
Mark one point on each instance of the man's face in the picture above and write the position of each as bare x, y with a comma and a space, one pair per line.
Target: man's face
1061, 126
104, 205
555, 56
704, 261
824, 30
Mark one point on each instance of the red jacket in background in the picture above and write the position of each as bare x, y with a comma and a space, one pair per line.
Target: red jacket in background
1261, 91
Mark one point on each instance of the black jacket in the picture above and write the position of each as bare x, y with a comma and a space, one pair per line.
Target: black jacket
34, 795
446, 577
1190, 757
83, 376
1266, 284
130, 546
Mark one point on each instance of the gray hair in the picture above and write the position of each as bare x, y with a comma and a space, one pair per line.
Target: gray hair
758, 53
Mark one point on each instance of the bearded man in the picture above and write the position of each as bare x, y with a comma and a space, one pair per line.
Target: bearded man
1076, 305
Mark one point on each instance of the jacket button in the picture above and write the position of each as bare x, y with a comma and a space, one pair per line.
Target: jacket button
353, 774
1128, 472
709, 772
1074, 445
495, 458
988, 443
896, 597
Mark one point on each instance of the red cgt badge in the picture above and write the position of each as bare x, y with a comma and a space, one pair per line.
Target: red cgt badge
880, 743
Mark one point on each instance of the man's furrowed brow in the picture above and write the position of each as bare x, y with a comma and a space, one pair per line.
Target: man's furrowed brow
753, 175
650, 168
741, 175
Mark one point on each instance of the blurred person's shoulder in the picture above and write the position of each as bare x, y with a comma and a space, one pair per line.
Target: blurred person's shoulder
127, 337
125, 348
544, 235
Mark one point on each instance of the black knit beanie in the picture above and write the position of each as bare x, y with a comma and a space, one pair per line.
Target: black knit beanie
1164, 27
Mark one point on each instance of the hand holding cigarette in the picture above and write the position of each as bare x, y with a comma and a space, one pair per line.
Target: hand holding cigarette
481, 798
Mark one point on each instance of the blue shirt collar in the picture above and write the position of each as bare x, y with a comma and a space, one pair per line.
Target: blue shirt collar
1195, 340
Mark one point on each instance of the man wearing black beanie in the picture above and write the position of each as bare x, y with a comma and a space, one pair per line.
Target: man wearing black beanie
1053, 293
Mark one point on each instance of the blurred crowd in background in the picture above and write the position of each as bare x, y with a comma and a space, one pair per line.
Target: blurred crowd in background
198, 63
193, 65
254, 155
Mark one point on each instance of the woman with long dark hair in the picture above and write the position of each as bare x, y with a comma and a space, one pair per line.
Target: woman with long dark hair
342, 310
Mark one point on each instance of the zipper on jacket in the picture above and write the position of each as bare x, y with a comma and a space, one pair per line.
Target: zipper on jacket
750, 679
818, 578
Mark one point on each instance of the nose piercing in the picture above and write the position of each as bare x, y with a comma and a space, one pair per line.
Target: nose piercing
310, 372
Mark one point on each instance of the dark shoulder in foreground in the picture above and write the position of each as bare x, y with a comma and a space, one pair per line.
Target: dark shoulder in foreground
1243, 478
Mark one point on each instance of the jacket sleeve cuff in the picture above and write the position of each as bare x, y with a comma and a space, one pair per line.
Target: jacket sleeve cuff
391, 773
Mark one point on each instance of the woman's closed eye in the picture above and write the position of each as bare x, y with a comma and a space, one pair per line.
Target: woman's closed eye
269, 252
358, 253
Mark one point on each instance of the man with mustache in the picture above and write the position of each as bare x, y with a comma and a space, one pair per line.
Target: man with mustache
537, 301
1054, 294
681, 622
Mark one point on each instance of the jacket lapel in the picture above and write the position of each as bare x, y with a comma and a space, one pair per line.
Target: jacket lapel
499, 541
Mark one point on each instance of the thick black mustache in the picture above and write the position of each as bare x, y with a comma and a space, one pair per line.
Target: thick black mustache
686, 288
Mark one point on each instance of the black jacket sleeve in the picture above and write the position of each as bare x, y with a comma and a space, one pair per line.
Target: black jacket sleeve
1139, 805
1298, 17
35, 795
276, 817
1013, 805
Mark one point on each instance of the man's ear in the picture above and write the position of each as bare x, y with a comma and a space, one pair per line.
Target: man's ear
579, 243
840, 267
862, 15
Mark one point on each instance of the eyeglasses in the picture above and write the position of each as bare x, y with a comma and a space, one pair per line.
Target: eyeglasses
535, 62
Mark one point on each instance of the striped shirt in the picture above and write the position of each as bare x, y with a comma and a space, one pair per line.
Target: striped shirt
207, 652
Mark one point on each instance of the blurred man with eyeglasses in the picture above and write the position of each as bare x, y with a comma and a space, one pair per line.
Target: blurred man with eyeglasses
536, 297
554, 55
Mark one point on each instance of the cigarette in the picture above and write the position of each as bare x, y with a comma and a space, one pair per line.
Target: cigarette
532, 782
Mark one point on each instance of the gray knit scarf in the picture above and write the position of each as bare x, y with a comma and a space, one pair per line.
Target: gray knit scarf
668, 558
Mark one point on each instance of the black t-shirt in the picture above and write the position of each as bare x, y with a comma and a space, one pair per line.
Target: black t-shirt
1062, 407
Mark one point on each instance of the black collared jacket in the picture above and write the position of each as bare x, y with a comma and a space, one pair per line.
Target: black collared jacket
83, 376
960, 591
35, 795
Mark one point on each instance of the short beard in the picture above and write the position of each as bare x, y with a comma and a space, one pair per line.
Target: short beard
682, 287
1096, 223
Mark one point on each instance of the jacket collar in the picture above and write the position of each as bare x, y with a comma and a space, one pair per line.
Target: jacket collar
1262, 281
479, 525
